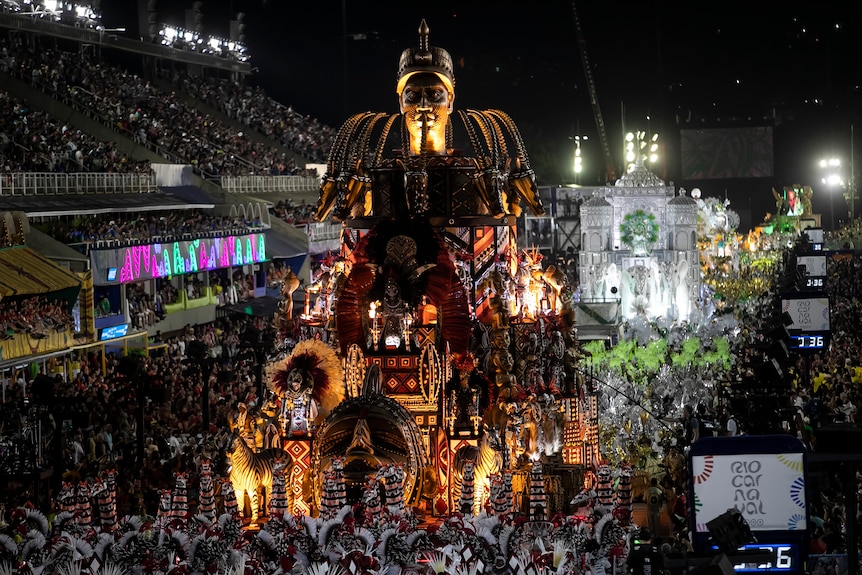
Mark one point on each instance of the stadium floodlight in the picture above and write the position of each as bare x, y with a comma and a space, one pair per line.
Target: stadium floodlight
833, 179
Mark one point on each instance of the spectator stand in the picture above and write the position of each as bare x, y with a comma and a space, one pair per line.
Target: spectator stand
179, 287
36, 296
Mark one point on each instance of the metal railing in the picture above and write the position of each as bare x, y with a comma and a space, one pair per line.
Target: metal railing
267, 184
51, 184
320, 232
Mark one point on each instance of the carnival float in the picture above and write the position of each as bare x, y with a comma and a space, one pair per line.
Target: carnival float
430, 343
431, 408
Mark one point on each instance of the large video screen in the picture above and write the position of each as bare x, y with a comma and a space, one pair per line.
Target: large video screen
814, 265
768, 489
809, 313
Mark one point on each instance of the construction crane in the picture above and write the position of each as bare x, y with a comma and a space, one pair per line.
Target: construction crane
610, 169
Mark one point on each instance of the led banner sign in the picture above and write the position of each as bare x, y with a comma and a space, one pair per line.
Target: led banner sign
143, 262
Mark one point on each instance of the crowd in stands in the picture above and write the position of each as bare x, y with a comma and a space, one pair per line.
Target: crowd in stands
144, 309
33, 141
276, 273
147, 309
168, 293
145, 227
847, 237
33, 315
100, 410
254, 108
164, 122
292, 213
105, 429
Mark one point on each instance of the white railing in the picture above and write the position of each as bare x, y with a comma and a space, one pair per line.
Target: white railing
51, 184
320, 232
263, 184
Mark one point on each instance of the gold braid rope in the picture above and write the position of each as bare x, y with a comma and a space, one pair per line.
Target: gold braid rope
521, 178
337, 190
423, 143
483, 155
381, 143
353, 151
360, 151
405, 145
488, 180
359, 181
329, 187
342, 140
516, 137
503, 153
450, 137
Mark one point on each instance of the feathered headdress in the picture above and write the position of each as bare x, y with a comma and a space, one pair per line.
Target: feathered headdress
320, 365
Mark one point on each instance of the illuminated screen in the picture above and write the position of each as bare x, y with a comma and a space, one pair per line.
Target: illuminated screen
114, 331
722, 153
144, 262
785, 558
810, 341
768, 489
793, 204
112, 274
815, 235
814, 265
808, 313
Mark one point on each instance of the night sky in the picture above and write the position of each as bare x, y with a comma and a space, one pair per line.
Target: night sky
764, 63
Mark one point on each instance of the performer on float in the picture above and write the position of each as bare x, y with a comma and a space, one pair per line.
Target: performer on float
309, 382
299, 409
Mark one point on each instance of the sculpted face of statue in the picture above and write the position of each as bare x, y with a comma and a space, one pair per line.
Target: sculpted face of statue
500, 338
502, 361
426, 104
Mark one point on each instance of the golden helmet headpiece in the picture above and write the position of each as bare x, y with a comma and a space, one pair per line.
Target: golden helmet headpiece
425, 59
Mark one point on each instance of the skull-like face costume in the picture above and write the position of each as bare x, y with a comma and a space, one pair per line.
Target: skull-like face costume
296, 382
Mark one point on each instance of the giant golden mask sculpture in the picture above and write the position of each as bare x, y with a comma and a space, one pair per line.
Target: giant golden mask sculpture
492, 160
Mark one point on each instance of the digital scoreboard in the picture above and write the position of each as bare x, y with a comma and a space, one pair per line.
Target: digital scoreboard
810, 329
815, 282
811, 340
785, 554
